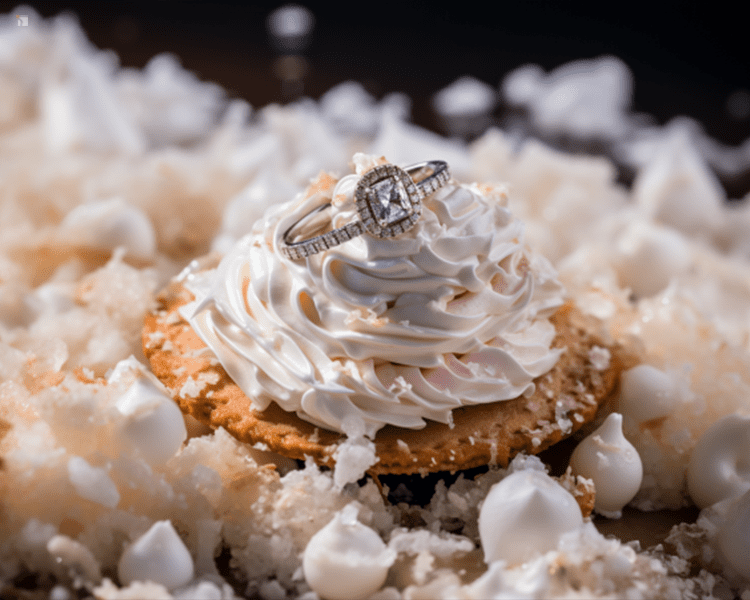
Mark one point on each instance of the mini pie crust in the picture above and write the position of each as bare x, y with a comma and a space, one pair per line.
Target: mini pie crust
482, 434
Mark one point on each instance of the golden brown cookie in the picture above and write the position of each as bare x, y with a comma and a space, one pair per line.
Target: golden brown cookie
565, 398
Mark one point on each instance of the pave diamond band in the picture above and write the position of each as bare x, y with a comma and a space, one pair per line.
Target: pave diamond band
389, 202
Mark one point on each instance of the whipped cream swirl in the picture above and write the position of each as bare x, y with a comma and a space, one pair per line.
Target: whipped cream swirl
383, 331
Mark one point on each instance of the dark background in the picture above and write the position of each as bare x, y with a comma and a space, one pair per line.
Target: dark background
687, 58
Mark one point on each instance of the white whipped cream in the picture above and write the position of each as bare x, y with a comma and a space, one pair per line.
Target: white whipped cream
525, 514
719, 466
612, 463
383, 331
346, 560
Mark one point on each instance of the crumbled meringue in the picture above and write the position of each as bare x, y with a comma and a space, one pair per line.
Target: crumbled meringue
75, 557
612, 463
733, 538
650, 257
678, 188
719, 466
583, 98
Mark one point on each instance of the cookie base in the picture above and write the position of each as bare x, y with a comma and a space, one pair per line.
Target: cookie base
564, 400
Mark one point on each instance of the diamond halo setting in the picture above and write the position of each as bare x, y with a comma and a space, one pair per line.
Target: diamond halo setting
389, 203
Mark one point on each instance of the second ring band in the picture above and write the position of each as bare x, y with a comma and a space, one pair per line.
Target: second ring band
389, 202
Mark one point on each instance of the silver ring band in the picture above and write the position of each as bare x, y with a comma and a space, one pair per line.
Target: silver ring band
389, 202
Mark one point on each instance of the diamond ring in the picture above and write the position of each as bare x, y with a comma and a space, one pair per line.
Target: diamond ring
389, 202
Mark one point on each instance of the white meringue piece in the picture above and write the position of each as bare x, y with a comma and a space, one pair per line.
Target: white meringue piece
647, 393
649, 257
678, 188
109, 224
719, 466
346, 560
92, 483
78, 559
584, 98
525, 514
465, 96
153, 424
159, 555
612, 463
734, 538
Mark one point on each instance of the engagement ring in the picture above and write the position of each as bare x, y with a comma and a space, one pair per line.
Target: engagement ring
389, 202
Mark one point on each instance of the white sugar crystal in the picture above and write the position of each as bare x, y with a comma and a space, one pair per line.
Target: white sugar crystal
92, 483
422, 541
353, 457
159, 555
